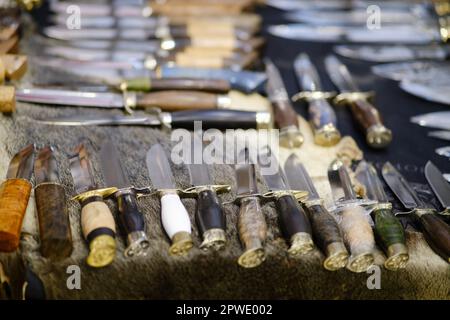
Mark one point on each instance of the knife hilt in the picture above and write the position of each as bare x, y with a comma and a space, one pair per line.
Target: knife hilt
390, 233
147, 84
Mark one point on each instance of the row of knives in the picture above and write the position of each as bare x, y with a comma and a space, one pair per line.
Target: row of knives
346, 232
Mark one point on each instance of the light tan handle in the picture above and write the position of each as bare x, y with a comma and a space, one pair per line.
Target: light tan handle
96, 215
178, 100
192, 61
15, 65
358, 237
10, 45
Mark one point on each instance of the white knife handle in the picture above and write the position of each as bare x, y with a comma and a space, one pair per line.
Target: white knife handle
176, 223
358, 237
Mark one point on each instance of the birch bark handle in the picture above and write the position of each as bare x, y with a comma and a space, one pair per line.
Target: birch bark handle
437, 234
359, 238
14, 196
178, 100
176, 223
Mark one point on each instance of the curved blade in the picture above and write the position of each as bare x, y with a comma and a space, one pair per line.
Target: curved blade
45, 166
80, 169
368, 176
298, 178
21, 165
438, 120
158, 167
438, 183
432, 92
340, 75
112, 169
306, 72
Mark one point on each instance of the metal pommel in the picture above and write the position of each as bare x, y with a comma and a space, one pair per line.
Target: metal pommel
291, 137
327, 136
444, 29
337, 256
213, 239
378, 136
361, 262
301, 243
181, 243
263, 120
252, 257
397, 257
102, 251
138, 244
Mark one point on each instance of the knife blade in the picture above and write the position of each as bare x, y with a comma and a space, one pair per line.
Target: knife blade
289, 5
435, 230
293, 221
439, 185
53, 217
217, 119
325, 228
434, 92
393, 53
14, 195
388, 229
321, 115
97, 223
174, 216
444, 151
252, 225
284, 114
411, 70
131, 219
357, 232
364, 112
438, 120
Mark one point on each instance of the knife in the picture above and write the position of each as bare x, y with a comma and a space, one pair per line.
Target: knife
174, 216
293, 221
354, 223
131, 219
51, 207
209, 215
14, 195
412, 70
321, 115
388, 228
431, 91
439, 185
444, 151
438, 120
97, 222
284, 114
217, 119
393, 53
252, 226
443, 135
289, 5
435, 230
325, 228
368, 117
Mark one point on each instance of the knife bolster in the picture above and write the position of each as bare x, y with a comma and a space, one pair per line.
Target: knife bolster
14, 196
54, 224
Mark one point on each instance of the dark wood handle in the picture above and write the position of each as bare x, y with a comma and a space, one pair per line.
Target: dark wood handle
131, 218
54, 224
218, 119
209, 212
292, 217
14, 196
211, 85
365, 113
284, 114
437, 233
177, 100
325, 228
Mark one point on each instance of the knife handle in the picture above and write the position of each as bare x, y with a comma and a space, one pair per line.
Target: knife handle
328, 237
210, 220
369, 118
252, 229
99, 229
177, 100
14, 196
9, 46
54, 224
294, 225
359, 238
323, 121
286, 119
15, 65
390, 233
132, 221
436, 232
176, 223
147, 84
220, 119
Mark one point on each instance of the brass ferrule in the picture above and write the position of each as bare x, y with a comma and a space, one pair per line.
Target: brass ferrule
263, 120
137, 244
383, 206
301, 243
397, 257
150, 62
291, 137
104, 193
378, 136
444, 28
336, 256
102, 251
213, 239
129, 101
327, 136
361, 262
420, 212
181, 243
299, 195
252, 257
313, 95
217, 188
350, 97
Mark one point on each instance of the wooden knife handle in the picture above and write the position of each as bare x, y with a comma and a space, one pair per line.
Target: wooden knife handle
210, 220
14, 196
284, 114
294, 225
177, 100
328, 237
99, 229
437, 233
390, 233
9, 46
210, 85
15, 65
186, 60
358, 237
369, 118
323, 121
252, 229
54, 224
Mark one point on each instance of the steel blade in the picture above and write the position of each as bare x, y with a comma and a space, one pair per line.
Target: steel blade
109, 21
289, 5
148, 46
199, 175
45, 166
443, 135
158, 167
245, 175
340, 75
62, 33
444, 151
432, 92
80, 169
368, 176
275, 85
447, 177
83, 67
82, 54
438, 183
400, 186
111, 165
21, 165
309, 33
298, 178
341, 186
406, 34
425, 70
438, 120
102, 120
274, 181
73, 98
307, 75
